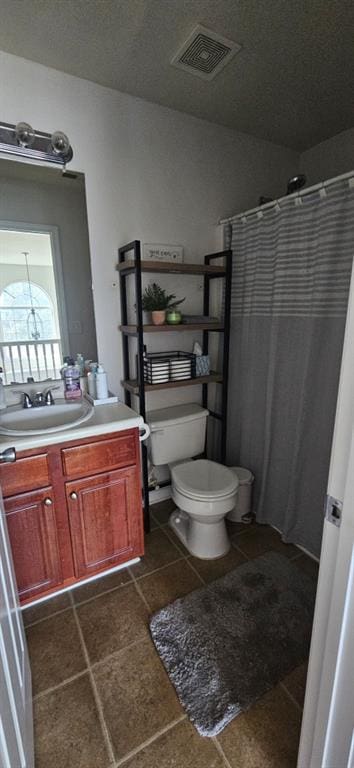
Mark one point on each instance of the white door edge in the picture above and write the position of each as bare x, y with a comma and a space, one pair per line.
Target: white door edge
334, 570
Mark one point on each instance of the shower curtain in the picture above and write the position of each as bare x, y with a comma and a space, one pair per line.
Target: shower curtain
291, 275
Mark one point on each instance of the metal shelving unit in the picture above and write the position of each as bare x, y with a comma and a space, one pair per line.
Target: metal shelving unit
135, 266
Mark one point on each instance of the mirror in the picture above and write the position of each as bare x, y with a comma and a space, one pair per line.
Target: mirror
46, 303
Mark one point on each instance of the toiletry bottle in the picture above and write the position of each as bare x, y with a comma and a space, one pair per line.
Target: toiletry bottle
65, 365
101, 383
80, 362
91, 380
71, 376
2, 393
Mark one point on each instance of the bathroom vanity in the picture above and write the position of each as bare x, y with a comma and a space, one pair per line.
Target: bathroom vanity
73, 501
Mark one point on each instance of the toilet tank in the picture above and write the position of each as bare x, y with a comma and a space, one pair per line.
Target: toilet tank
177, 432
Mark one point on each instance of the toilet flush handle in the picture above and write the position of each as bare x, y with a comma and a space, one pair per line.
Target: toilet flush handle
144, 432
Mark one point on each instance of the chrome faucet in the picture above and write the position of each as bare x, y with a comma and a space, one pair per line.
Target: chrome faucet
40, 399
26, 401
49, 399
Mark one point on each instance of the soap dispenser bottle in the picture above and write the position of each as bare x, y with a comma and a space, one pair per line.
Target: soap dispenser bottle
2, 393
101, 383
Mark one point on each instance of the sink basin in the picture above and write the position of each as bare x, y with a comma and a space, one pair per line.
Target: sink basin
18, 421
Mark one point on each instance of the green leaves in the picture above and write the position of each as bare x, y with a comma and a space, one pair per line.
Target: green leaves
156, 298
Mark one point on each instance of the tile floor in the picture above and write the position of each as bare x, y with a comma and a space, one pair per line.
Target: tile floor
101, 696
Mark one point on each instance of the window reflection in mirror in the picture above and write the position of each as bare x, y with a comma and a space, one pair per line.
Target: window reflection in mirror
46, 307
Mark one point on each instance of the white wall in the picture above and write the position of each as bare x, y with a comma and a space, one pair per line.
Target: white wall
330, 158
151, 174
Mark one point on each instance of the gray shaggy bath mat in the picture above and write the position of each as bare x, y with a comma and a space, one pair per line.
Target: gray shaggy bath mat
226, 644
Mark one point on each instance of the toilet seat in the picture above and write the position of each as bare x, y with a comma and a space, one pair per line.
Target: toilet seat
204, 480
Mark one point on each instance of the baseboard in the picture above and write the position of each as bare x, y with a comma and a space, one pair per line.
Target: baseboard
160, 494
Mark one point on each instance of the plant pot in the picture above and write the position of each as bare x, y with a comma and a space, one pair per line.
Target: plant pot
146, 318
173, 317
158, 316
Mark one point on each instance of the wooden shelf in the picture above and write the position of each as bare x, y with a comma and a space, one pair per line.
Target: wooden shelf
133, 387
216, 265
127, 267
132, 330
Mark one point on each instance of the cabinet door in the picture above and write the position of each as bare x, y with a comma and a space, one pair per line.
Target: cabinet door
105, 517
33, 535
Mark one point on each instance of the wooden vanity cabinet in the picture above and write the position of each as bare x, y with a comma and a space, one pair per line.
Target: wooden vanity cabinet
103, 525
79, 511
32, 528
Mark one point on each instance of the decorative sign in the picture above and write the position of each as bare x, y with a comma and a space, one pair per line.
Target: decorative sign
155, 252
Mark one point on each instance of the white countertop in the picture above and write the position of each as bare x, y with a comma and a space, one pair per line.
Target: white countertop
105, 419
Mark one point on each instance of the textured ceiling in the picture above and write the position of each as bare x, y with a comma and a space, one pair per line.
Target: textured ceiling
292, 82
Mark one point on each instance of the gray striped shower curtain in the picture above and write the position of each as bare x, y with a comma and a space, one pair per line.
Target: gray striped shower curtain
291, 274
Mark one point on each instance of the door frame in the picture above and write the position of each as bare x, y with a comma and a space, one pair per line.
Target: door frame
16, 711
333, 582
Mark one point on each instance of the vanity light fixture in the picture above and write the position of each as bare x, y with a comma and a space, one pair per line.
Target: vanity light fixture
61, 145
25, 134
22, 140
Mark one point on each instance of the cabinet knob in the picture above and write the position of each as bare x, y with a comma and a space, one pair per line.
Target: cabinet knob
48, 502
73, 496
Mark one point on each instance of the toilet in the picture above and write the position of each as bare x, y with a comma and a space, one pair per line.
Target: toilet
204, 491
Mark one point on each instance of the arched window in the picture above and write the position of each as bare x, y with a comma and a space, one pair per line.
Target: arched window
26, 313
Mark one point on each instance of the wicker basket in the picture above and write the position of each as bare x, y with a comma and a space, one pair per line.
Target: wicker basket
162, 367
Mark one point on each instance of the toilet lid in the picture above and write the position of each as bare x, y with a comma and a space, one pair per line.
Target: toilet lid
204, 479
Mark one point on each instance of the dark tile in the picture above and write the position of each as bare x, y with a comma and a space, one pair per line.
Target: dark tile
210, 570
112, 621
162, 510
137, 696
98, 587
67, 729
176, 540
295, 683
153, 524
55, 651
267, 736
45, 609
308, 565
182, 747
234, 528
260, 539
159, 551
166, 585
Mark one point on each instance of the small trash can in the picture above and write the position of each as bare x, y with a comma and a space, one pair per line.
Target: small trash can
244, 495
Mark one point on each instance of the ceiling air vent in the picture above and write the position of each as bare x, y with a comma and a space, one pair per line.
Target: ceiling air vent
205, 53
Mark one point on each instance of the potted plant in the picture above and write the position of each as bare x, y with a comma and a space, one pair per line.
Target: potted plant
157, 301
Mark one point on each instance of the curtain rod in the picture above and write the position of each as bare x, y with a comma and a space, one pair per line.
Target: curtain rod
294, 195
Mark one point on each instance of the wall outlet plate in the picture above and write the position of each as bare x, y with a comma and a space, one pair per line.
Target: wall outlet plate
75, 326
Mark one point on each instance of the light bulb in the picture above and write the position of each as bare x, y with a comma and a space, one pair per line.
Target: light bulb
25, 134
60, 143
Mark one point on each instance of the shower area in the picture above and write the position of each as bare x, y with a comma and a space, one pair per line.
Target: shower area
292, 262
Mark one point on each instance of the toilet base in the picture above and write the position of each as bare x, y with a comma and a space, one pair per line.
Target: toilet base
207, 541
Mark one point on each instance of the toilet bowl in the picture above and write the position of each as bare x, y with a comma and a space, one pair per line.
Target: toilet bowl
204, 493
